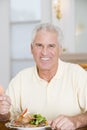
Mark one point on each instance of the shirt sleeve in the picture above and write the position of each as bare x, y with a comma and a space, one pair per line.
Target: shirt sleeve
14, 92
82, 89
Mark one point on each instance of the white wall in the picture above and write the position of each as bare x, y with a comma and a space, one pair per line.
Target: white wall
66, 23
4, 43
46, 10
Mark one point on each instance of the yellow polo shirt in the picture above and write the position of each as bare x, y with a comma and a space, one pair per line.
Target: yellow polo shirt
65, 94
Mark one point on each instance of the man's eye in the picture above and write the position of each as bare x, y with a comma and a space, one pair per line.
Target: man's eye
51, 45
38, 44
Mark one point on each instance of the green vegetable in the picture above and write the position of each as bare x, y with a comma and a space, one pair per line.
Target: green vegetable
37, 119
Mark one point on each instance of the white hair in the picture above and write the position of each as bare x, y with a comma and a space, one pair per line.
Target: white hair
48, 27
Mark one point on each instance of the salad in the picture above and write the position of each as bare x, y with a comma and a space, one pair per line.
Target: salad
26, 119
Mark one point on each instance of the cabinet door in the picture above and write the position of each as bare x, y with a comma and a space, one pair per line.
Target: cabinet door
81, 26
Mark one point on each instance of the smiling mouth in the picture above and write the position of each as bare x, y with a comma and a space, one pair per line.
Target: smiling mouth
45, 59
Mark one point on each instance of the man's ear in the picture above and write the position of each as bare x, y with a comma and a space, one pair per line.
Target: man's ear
31, 48
60, 50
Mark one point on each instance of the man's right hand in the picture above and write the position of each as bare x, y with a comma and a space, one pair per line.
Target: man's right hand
5, 104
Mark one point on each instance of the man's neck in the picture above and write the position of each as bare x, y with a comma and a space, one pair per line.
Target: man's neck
47, 74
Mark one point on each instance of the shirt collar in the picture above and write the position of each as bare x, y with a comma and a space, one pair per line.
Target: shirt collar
58, 74
60, 70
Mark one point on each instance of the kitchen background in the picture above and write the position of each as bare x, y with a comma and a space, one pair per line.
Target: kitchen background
19, 17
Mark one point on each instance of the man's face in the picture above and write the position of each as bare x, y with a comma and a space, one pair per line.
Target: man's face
45, 50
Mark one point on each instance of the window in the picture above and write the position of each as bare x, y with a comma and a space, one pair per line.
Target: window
25, 14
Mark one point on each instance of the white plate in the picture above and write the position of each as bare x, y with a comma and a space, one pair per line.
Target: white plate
9, 125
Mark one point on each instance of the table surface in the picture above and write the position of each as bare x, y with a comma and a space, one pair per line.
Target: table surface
2, 127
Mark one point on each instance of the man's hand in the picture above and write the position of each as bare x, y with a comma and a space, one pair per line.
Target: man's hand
63, 122
5, 104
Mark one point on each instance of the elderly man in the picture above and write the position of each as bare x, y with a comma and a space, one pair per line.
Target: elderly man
56, 89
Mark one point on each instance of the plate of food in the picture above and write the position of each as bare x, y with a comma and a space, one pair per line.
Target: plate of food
8, 125
27, 121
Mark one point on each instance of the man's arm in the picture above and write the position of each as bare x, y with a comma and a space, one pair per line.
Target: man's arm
5, 104
80, 120
5, 117
67, 122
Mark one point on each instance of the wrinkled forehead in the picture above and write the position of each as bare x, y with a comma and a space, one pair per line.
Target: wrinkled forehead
46, 37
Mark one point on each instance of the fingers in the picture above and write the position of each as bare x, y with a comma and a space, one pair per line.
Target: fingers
5, 104
50, 122
62, 123
4, 110
4, 97
55, 123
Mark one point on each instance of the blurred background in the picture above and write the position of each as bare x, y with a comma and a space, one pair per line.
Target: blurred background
19, 17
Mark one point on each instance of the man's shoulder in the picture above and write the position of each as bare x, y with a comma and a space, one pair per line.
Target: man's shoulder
69, 64
24, 73
74, 67
27, 70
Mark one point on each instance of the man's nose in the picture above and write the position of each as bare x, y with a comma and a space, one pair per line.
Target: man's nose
44, 50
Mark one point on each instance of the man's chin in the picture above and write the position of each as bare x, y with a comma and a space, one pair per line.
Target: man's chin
45, 68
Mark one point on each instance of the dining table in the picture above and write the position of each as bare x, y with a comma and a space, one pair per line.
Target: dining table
3, 127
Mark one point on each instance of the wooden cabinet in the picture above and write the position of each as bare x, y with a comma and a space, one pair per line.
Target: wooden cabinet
75, 57
78, 58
